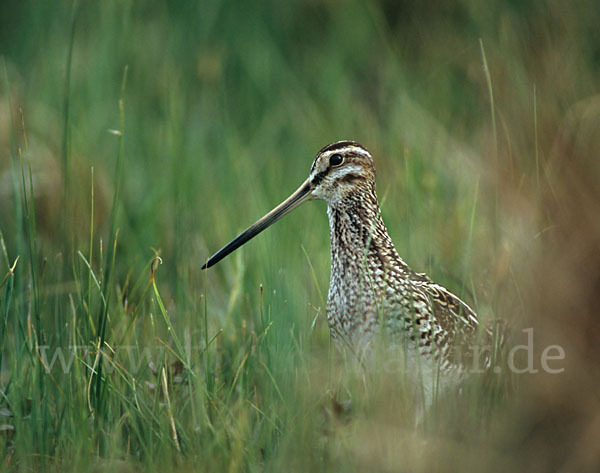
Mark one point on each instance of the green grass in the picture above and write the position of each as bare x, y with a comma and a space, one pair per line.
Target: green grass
138, 137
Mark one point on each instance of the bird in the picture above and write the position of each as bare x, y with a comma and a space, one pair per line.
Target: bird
372, 291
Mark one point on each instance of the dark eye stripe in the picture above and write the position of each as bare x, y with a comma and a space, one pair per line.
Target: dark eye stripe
318, 178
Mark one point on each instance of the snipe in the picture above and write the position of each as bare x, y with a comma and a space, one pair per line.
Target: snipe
371, 290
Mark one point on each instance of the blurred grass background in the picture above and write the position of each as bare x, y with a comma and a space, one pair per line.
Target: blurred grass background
483, 120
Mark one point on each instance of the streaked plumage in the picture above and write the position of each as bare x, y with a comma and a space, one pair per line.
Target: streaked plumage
371, 287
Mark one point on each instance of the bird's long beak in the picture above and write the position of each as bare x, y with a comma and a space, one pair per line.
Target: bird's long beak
297, 198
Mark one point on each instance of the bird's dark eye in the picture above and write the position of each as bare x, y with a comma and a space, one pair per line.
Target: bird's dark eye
336, 159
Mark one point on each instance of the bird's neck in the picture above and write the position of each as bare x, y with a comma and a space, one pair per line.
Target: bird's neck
359, 236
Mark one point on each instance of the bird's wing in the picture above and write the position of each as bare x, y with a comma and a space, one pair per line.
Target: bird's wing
451, 310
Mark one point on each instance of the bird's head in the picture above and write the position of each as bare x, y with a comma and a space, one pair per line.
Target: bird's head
339, 170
